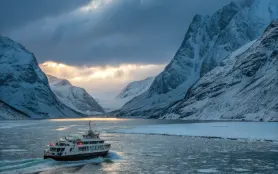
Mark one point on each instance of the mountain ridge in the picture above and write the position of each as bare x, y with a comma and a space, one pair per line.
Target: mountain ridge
208, 41
24, 86
74, 97
243, 87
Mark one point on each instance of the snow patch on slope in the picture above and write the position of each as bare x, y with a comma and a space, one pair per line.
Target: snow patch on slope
136, 88
110, 102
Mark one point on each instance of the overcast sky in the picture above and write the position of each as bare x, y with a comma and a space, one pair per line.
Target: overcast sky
114, 32
89, 33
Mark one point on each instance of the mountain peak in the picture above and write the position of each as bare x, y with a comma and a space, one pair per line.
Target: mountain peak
244, 87
207, 42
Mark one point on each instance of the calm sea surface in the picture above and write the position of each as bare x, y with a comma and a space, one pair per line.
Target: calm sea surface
22, 144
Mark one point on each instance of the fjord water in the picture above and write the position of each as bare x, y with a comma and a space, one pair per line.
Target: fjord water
22, 144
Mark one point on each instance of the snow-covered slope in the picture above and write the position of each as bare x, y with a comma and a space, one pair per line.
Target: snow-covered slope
8, 112
245, 86
208, 41
24, 86
112, 102
134, 89
74, 97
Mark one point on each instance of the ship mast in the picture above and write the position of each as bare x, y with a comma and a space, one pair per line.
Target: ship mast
90, 126
90, 132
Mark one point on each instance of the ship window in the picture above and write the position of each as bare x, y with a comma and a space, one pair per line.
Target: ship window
53, 149
82, 148
60, 149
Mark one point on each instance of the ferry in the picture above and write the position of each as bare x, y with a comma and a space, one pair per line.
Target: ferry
73, 148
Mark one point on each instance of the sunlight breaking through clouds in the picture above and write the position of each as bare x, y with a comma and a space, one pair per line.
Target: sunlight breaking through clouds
95, 4
102, 79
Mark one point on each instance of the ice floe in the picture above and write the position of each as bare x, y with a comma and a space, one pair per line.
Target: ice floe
230, 130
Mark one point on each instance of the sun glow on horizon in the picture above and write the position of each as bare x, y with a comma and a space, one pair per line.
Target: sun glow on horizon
95, 72
103, 79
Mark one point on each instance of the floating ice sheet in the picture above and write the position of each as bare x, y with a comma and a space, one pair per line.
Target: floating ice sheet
235, 130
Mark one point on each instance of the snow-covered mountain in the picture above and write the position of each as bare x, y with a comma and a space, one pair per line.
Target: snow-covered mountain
134, 89
74, 97
245, 86
24, 87
112, 102
208, 41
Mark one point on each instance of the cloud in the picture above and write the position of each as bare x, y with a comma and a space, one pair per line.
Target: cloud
110, 31
102, 80
14, 13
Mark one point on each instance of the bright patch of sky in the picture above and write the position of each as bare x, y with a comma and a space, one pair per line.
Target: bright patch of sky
102, 80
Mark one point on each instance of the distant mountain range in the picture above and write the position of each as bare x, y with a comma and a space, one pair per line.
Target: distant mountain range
208, 41
74, 97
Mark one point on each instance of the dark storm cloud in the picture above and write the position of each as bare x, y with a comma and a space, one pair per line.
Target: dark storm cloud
14, 13
127, 31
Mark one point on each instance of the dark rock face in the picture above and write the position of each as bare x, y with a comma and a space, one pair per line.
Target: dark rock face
24, 86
